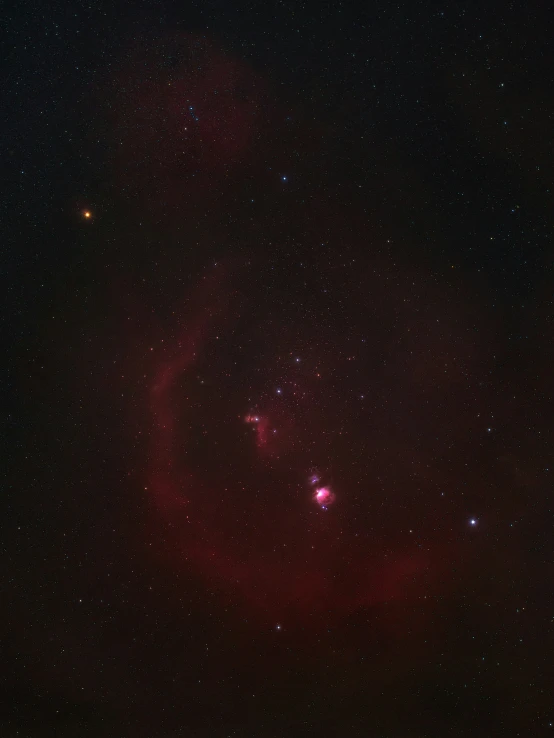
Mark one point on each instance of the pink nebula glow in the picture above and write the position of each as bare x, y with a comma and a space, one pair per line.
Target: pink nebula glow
262, 425
324, 497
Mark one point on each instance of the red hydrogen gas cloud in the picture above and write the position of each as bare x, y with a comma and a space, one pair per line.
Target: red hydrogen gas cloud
324, 497
262, 430
244, 522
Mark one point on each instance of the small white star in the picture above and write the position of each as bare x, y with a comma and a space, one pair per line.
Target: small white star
279, 391
473, 521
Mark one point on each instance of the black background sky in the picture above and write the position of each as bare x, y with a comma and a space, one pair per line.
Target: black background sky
319, 245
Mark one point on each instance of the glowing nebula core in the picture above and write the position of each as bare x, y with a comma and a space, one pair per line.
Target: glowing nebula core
324, 497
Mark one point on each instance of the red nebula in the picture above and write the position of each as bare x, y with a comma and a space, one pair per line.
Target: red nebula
324, 497
262, 425
226, 521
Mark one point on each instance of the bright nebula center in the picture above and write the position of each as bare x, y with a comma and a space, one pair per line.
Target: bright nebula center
324, 497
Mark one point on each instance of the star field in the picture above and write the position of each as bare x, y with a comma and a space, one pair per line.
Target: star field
278, 432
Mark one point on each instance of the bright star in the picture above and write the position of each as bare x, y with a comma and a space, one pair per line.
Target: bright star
473, 521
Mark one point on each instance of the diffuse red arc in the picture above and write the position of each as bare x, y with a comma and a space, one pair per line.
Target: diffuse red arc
321, 574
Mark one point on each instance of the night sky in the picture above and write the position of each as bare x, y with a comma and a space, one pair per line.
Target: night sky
278, 358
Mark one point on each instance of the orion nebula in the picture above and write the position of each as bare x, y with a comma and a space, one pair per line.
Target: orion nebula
324, 497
